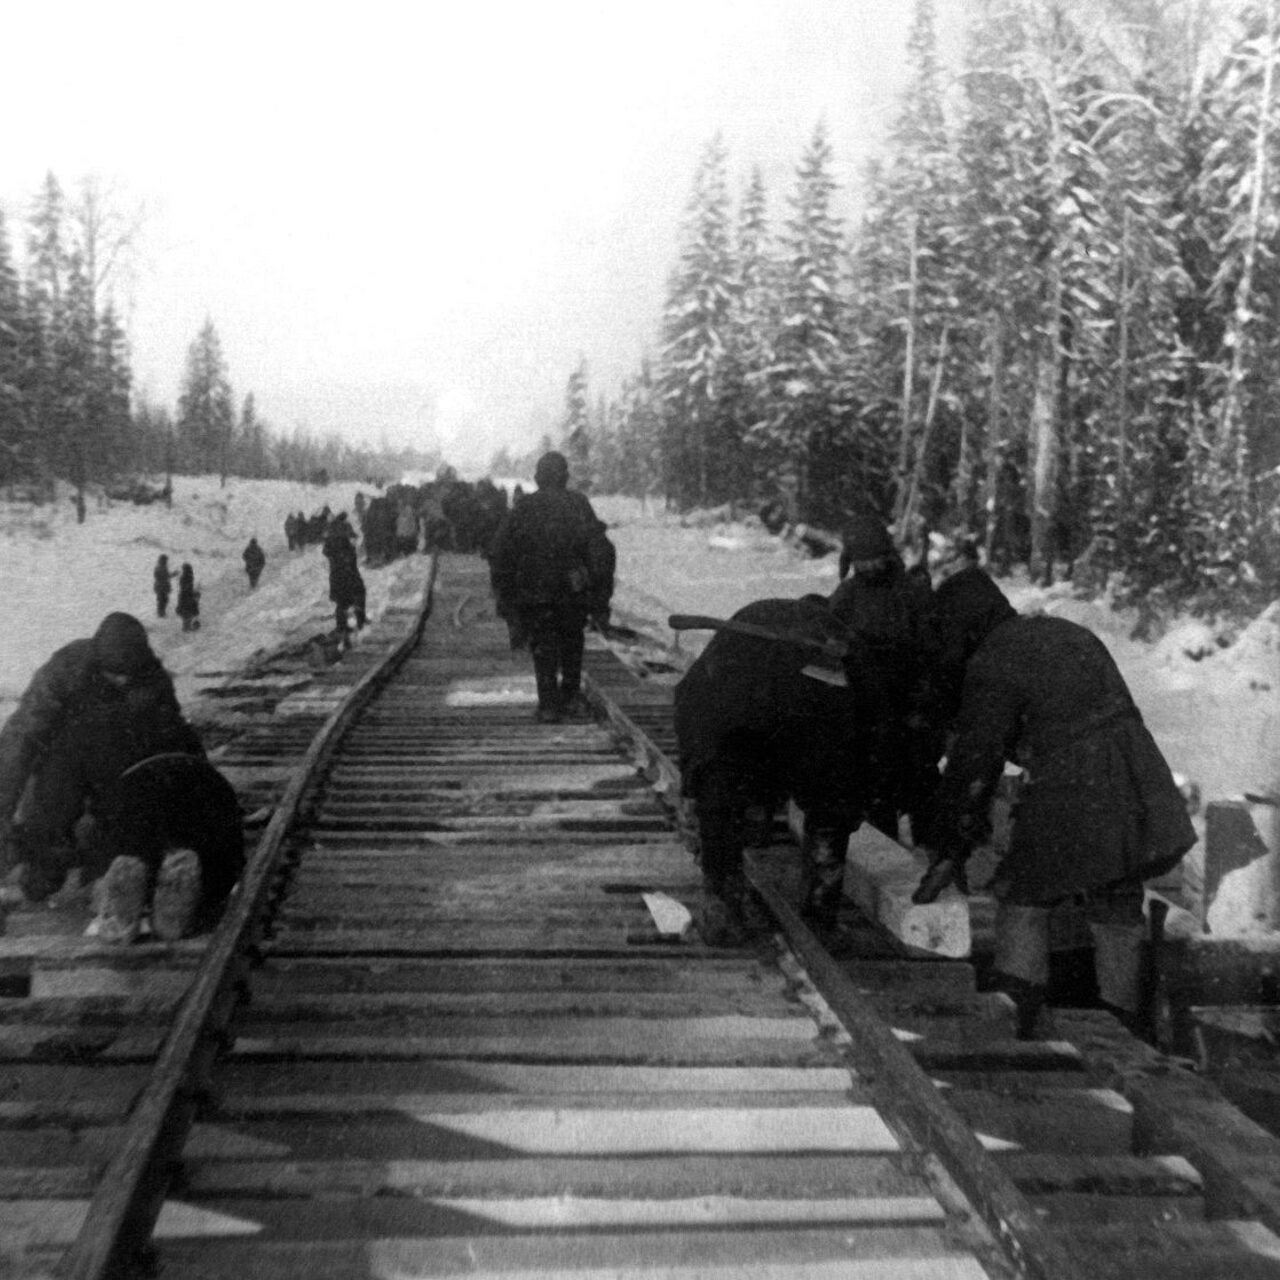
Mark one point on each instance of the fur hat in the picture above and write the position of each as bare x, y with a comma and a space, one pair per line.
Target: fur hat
866, 538
120, 645
552, 471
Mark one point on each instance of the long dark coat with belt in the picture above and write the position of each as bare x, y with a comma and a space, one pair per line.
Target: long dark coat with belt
1100, 806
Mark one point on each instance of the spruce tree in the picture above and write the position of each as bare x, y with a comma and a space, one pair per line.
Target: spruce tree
17, 444
809, 402
696, 326
575, 427
205, 415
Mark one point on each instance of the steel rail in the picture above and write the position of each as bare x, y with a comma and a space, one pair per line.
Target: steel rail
123, 1210
902, 1091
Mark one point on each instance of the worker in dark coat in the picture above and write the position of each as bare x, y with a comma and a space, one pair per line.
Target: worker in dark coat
888, 610
1099, 812
188, 606
255, 560
346, 585
95, 708
169, 842
754, 729
545, 565
162, 581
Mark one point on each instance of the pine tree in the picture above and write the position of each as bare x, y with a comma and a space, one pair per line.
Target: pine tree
251, 441
696, 334
753, 322
1239, 198
575, 428
17, 445
205, 416
809, 400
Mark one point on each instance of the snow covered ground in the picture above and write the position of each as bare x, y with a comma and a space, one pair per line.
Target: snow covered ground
1214, 710
58, 579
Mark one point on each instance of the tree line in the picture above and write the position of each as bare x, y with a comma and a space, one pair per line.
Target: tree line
67, 405
1054, 326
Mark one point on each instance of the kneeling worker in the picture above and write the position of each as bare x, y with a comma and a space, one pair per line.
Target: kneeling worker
92, 713
1099, 814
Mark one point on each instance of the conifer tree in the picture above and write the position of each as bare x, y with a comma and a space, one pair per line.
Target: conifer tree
696, 336
809, 399
16, 434
575, 428
205, 415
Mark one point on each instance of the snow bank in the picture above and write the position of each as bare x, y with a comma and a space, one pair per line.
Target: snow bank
60, 578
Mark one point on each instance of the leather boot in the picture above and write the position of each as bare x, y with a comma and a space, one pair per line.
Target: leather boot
1029, 1002
823, 851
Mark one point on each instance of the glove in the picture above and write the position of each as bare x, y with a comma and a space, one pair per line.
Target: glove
942, 872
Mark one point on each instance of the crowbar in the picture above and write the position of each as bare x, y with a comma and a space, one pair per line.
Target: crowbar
836, 649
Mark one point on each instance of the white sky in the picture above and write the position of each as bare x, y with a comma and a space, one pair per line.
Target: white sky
413, 218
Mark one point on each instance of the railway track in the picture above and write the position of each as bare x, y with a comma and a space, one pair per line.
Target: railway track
441, 1033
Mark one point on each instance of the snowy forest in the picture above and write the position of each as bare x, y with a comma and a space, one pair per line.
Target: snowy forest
1053, 328
1051, 324
67, 406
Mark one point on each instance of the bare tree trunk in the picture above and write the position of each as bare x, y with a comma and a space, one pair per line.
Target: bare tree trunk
1229, 440
912, 503
908, 377
1045, 450
1122, 373
995, 434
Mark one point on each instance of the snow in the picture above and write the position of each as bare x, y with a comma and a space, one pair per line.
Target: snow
1214, 707
61, 578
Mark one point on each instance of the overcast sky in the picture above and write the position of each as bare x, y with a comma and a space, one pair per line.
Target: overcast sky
409, 220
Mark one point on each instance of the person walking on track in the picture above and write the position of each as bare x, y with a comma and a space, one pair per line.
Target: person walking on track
548, 566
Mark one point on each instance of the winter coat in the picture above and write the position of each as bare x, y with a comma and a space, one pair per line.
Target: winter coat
68, 692
548, 552
188, 605
346, 586
747, 699
162, 578
889, 612
254, 558
1099, 806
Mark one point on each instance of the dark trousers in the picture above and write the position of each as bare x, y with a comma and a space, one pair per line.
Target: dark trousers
736, 795
355, 603
556, 640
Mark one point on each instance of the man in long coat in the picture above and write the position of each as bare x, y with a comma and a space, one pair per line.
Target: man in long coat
346, 585
255, 560
1098, 814
754, 729
546, 575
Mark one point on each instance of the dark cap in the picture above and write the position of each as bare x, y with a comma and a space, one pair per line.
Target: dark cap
120, 645
552, 471
866, 538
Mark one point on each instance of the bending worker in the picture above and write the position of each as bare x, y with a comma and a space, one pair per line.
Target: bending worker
98, 735
755, 727
1099, 813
